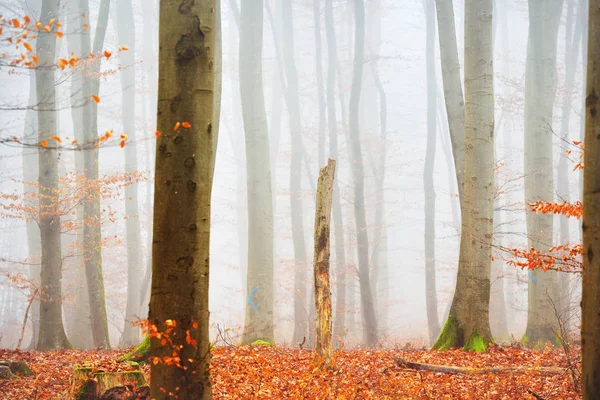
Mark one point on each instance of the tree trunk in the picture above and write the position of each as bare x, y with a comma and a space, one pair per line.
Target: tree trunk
368, 311
468, 323
125, 27
183, 183
92, 230
52, 332
293, 104
339, 328
428, 183
259, 304
453, 94
572, 44
540, 90
590, 328
321, 262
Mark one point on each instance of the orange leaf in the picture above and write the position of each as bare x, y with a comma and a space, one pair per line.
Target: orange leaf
122, 144
96, 98
27, 19
28, 47
158, 133
62, 63
35, 59
16, 23
107, 54
44, 143
195, 325
74, 142
177, 125
38, 25
47, 28
186, 125
59, 34
123, 136
59, 140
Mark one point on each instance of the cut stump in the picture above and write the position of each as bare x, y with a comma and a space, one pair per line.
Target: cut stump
91, 385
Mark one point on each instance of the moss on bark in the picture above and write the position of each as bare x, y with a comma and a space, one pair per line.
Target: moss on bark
140, 353
453, 337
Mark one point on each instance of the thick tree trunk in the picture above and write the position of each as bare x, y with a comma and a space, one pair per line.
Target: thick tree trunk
51, 333
321, 262
433, 322
540, 90
125, 27
92, 230
453, 94
293, 104
368, 311
183, 183
339, 327
468, 321
259, 304
590, 328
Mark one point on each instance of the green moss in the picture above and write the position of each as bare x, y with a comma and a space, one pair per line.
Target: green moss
448, 337
476, 343
140, 353
260, 342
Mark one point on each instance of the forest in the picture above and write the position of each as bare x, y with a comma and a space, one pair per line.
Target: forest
299, 199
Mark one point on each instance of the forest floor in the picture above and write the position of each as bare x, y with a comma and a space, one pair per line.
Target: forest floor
264, 372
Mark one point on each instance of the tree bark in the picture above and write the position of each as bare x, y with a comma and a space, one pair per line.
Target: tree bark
468, 324
183, 183
590, 328
540, 90
259, 305
321, 262
52, 332
368, 311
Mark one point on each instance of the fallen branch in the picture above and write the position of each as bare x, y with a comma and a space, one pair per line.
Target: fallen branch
402, 363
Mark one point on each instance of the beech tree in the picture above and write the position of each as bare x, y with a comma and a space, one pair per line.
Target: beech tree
468, 324
183, 182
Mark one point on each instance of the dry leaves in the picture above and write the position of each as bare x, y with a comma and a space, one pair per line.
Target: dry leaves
281, 373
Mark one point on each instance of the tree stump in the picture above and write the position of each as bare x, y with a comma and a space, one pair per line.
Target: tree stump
91, 385
8, 369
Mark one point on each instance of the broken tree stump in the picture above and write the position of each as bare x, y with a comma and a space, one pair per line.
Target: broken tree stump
91, 385
321, 262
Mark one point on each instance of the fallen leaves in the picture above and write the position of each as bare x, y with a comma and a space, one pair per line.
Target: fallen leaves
283, 373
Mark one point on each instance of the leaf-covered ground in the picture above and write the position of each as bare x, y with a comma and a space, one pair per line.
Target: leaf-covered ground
264, 372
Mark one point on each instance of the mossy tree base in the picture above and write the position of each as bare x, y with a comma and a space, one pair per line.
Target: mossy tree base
17, 367
454, 336
536, 338
140, 353
88, 385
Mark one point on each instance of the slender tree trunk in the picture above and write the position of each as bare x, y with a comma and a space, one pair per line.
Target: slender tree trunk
468, 323
321, 262
368, 312
572, 45
428, 183
540, 90
320, 85
259, 304
183, 183
52, 332
125, 27
590, 328
293, 104
92, 230
453, 94
339, 329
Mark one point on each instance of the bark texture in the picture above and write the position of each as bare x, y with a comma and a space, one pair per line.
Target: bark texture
468, 325
540, 90
183, 182
259, 303
321, 262
590, 329
52, 332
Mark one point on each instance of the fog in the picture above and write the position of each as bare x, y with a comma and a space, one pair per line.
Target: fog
398, 188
